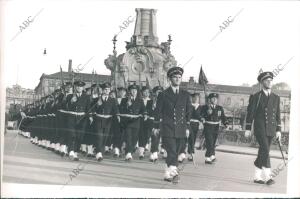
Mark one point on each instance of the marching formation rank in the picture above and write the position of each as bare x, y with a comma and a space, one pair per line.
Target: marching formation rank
99, 121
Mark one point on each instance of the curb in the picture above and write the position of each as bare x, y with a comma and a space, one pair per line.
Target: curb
246, 153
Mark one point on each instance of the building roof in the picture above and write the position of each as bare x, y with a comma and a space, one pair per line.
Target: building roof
81, 76
86, 77
219, 88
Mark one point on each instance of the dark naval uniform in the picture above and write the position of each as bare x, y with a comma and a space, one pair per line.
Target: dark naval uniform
195, 122
131, 116
155, 139
213, 116
146, 125
118, 132
265, 112
173, 111
77, 120
104, 113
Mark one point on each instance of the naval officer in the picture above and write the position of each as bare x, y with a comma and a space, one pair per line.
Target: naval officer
264, 110
173, 112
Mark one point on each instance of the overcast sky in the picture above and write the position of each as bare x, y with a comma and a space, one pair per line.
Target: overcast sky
262, 35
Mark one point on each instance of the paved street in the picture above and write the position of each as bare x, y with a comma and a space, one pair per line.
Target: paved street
27, 163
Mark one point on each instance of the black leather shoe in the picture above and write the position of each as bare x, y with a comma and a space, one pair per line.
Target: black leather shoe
214, 160
76, 159
259, 181
141, 157
270, 182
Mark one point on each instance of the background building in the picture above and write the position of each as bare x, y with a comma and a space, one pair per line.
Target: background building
48, 83
18, 96
235, 100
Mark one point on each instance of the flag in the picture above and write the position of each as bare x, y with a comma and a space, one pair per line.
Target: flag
260, 71
202, 78
61, 76
148, 83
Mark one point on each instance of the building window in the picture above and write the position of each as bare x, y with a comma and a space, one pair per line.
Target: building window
242, 102
228, 101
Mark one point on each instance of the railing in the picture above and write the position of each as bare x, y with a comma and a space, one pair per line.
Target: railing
238, 138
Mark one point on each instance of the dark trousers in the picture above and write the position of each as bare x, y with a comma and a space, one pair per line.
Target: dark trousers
211, 135
192, 137
61, 128
118, 138
263, 157
145, 132
101, 138
131, 139
173, 147
75, 133
155, 143
52, 129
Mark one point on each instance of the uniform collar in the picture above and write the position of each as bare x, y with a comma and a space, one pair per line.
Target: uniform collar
104, 97
213, 106
196, 105
174, 89
267, 91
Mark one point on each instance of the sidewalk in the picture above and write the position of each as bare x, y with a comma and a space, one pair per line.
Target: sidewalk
248, 151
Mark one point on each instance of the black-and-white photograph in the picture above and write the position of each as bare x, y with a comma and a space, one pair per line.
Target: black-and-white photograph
150, 99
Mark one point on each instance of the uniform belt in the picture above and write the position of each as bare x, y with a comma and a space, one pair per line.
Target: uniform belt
211, 122
51, 114
130, 116
74, 113
103, 116
151, 118
63, 111
194, 120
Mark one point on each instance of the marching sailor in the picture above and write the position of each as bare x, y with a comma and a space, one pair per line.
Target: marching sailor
132, 110
146, 124
155, 138
118, 132
195, 125
78, 107
91, 130
105, 108
212, 116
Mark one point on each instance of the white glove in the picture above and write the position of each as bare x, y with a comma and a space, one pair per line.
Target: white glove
74, 99
247, 133
119, 119
155, 132
200, 126
146, 117
278, 135
23, 114
187, 133
91, 120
